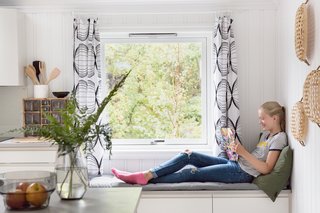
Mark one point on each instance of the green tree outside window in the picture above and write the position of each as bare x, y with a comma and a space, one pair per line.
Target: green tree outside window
162, 96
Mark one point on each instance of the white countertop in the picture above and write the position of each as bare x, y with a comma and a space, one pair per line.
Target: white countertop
26, 142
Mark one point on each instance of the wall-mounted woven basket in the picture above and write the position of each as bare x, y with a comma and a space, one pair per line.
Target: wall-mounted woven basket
298, 122
301, 30
311, 96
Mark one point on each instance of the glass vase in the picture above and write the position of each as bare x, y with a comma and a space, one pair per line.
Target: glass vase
72, 175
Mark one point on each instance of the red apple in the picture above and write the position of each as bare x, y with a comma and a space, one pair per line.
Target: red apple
36, 194
16, 200
23, 186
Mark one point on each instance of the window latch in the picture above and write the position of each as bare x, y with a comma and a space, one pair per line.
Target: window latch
153, 35
157, 141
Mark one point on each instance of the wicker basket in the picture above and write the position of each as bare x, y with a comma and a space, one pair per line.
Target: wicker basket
298, 122
311, 96
301, 30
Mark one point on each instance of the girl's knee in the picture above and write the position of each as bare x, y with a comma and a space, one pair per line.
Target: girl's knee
185, 154
188, 151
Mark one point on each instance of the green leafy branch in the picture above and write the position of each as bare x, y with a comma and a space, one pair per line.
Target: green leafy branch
77, 127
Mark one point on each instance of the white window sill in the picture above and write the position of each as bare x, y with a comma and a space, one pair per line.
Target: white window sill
155, 151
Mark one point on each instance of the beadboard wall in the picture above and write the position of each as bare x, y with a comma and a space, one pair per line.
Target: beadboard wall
49, 38
291, 76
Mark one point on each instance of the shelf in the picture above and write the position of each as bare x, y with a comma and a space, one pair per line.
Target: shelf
36, 109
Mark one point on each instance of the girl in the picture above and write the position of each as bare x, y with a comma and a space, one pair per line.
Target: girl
215, 169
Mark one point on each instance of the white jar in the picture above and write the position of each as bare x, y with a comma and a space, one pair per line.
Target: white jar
40, 91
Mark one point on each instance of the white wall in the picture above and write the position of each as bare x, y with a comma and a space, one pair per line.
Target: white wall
291, 76
255, 33
49, 38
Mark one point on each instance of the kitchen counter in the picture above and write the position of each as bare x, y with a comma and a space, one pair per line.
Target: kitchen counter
97, 200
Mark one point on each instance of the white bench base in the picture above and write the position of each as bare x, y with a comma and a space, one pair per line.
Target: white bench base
244, 201
198, 197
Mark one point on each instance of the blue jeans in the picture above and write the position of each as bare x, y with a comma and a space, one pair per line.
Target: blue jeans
206, 168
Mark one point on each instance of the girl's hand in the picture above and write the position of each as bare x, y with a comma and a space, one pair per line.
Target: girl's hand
239, 149
232, 146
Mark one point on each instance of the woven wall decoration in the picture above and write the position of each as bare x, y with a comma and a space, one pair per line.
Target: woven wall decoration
311, 96
301, 30
298, 122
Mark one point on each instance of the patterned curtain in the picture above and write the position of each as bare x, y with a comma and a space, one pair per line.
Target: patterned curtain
87, 79
226, 108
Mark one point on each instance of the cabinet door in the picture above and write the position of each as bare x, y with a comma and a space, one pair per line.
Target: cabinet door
175, 205
11, 68
250, 205
19, 159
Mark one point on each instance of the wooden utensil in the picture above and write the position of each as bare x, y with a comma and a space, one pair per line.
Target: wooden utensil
43, 76
32, 68
35, 71
54, 73
36, 65
31, 74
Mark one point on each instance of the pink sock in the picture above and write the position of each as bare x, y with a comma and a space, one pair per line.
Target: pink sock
133, 178
116, 172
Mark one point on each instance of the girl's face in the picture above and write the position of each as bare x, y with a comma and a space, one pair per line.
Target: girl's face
267, 122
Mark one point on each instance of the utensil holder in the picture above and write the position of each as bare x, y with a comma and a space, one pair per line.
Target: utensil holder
40, 91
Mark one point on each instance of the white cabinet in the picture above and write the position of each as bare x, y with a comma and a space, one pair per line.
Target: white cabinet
240, 201
11, 48
23, 157
175, 202
250, 202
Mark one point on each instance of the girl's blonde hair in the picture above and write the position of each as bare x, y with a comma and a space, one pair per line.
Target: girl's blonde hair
274, 108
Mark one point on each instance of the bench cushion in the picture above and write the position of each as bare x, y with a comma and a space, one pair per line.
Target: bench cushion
111, 181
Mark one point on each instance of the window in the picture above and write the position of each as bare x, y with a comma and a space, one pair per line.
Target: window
164, 99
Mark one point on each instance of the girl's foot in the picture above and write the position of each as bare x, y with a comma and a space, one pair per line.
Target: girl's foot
133, 178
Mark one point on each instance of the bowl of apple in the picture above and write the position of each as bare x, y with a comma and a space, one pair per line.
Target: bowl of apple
27, 190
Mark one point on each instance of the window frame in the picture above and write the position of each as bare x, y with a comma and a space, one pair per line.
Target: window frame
206, 142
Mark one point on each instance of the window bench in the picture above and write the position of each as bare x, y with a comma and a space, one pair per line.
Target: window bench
208, 197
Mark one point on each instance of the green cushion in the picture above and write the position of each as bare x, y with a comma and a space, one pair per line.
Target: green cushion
275, 181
